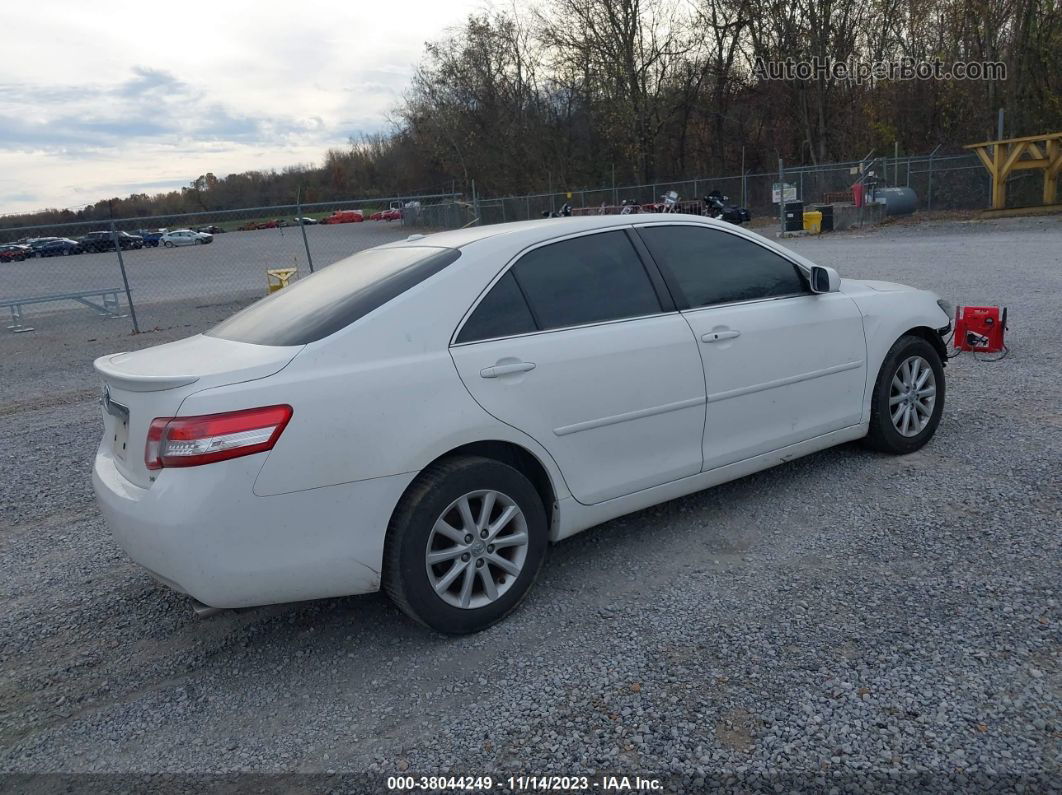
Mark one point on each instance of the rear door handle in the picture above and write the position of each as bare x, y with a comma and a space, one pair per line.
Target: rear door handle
506, 369
718, 336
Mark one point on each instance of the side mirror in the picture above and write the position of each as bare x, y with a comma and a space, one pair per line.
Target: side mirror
824, 280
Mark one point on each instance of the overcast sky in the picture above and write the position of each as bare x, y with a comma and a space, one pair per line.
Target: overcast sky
107, 98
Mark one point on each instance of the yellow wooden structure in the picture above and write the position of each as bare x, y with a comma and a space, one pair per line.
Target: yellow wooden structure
277, 278
1012, 154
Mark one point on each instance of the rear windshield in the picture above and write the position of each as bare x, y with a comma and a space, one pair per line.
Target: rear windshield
314, 307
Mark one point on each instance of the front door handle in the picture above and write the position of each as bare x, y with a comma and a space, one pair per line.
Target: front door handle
718, 336
506, 369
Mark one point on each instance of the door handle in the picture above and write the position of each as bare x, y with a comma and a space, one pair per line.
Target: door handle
718, 336
506, 369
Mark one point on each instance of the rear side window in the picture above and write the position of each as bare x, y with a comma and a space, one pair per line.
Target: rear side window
333, 298
713, 267
586, 279
503, 312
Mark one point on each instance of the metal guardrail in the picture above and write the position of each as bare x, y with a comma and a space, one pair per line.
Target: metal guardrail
109, 306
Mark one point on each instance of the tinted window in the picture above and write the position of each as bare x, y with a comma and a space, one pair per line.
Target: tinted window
316, 306
586, 280
502, 313
713, 267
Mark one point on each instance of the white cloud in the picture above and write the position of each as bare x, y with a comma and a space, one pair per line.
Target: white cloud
98, 98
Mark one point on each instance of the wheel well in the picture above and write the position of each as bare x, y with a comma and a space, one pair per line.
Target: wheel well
933, 338
520, 459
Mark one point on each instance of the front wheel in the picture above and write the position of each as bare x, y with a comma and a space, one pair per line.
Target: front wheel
908, 397
465, 545
168, 244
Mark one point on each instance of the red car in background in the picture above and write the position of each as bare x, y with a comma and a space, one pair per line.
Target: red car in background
344, 217
386, 215
14, 252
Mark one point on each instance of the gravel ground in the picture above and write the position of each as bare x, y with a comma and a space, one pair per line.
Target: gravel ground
850, 620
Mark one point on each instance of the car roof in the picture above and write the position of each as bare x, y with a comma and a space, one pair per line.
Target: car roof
547, 228
518, 235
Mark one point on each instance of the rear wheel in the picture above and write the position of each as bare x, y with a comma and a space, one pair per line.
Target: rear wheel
465, 545
908, 397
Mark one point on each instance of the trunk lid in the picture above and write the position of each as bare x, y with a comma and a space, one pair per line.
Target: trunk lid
141, 385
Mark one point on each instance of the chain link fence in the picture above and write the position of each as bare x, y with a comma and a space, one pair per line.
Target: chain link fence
954, 182
192, 270
90, 279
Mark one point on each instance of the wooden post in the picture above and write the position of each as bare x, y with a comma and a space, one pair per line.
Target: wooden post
999, 181
1054, 165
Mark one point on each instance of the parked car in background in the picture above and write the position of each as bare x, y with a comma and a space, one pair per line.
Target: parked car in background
59, 247
386, 215
210, 229
151, 237
104, 241
36, 242
579, 369
306, 221
14, 252
185, 237
344, 217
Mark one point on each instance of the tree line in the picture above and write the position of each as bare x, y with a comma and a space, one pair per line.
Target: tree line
566, 94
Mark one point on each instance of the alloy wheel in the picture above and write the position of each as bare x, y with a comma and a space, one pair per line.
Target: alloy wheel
476, 549
912, 396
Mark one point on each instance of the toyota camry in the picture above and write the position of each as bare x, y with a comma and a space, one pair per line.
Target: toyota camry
428, 416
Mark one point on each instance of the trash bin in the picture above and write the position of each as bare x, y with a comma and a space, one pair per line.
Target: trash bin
794, 216
812, 222
827, 216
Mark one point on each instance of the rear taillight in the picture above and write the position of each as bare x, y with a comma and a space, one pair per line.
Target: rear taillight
191, 441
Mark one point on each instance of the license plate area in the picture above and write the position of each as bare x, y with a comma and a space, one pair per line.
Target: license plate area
121, 438
119, 426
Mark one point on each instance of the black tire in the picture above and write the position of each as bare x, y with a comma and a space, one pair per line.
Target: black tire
883, 435
405, 576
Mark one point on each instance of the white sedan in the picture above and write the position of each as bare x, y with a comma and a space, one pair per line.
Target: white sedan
429, 415
185, 237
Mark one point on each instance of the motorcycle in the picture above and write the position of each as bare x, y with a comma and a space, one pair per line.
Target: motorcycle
564, 212
715, 206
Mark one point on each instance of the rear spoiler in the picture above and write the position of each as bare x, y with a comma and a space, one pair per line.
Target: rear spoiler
139, 383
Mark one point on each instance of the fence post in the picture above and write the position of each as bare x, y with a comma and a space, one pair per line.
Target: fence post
302, 226
475, 205
929, 192
781, 198
125, 279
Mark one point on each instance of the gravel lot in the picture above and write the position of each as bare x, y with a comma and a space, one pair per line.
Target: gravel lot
849, 620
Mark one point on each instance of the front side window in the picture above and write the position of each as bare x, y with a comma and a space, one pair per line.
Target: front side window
709, 266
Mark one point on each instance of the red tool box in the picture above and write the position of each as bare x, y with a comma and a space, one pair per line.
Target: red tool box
980, 328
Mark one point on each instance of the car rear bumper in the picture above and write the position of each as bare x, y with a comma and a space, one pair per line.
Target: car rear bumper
203, 532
